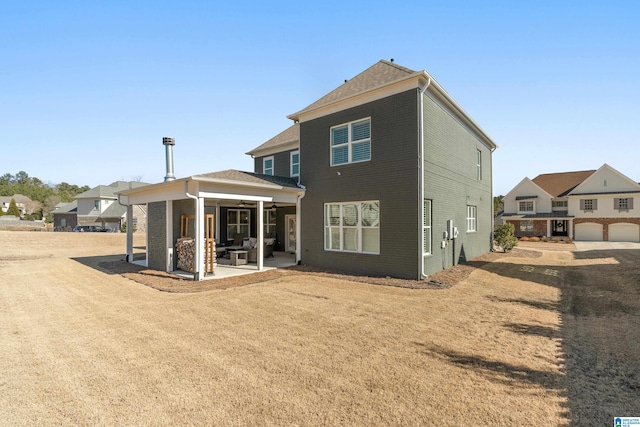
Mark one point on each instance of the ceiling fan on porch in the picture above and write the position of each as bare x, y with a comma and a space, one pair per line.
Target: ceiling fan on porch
244, 204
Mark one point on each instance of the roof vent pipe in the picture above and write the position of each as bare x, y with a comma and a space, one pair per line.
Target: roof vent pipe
169, 143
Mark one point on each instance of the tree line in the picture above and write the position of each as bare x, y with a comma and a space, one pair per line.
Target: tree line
44, 196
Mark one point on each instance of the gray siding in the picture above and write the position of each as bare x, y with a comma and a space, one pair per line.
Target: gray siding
451, 183
390, 177
157, 239
281, 163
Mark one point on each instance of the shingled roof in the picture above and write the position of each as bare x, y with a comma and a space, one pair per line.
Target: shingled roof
289, 136
379, 74
250, 177
109, 191
560, 184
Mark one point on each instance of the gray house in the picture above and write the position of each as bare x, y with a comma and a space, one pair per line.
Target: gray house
386, 175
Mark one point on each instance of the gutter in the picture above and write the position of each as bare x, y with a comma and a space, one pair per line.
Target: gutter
421, 179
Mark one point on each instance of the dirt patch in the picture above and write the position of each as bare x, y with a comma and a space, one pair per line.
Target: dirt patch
171, 283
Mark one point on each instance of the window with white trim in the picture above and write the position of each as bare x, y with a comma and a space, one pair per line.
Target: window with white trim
472, 218
270, 222
479, 165
623, 203
526, 206
238, 221
267, 165
588, 205
351, 142
426, 227
295, 163
352, 227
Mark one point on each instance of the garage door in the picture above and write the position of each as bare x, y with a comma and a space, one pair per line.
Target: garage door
624, 232
589, 231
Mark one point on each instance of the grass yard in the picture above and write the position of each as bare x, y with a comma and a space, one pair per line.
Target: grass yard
545, 340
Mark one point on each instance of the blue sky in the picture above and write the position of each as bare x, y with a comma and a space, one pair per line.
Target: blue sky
88, 89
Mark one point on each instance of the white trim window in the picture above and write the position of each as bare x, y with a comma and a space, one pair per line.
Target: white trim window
352, 227
526, 225
238, 221
351, 142
295, 163
267, 165
270, 222
426, 228
526, 206
472, 219
479, 165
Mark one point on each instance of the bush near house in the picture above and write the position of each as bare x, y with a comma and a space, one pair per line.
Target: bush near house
505, 238
13, 209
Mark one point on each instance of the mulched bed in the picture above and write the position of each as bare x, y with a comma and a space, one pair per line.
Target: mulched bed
166, 282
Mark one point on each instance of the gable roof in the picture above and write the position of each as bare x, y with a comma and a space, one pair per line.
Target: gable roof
560, 184
589, 185
18, 198
289, 138
378, 75
109, 191
71, 207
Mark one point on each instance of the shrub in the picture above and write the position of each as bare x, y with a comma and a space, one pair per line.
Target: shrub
504, 237
13, 209
535, 239
525, 238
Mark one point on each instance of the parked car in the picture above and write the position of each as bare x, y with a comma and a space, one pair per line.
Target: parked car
89, 228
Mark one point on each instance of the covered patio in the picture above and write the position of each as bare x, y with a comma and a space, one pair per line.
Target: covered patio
212, 209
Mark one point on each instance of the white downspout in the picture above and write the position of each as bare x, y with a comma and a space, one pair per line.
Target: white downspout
198, 244
421, 180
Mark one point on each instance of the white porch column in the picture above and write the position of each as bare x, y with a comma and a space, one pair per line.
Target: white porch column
571, 229
548, 228
260, 242
130, 233
217, 221
169, 235
199, 225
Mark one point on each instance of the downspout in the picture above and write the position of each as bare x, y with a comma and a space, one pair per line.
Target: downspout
421, 179
493, 212
299, 224
196, 273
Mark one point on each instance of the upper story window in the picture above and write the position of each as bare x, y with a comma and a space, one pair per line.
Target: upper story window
479, 165
96, 204
559, 205
351, 142
267, 165
295, 163
526, 206
588, 205
623, 203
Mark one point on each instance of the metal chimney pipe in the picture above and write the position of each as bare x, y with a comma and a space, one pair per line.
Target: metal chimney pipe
169, 143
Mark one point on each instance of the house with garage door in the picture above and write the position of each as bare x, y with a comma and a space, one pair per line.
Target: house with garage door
386, 175
592, 205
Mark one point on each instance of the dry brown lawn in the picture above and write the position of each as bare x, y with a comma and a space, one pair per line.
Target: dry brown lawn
535, 338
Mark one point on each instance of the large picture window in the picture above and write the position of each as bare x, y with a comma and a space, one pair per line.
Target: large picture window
238, 221
352, 227
351, 142
526, 206
472, 218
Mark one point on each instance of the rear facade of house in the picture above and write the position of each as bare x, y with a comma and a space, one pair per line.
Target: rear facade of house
398, 177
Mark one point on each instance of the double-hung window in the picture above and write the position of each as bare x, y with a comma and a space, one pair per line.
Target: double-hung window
270, 222
238, 221
352, 227
351, 142
426, 227
295, 163
472, 218
479, 165
526, 206
267, 165
623, 203
588, 205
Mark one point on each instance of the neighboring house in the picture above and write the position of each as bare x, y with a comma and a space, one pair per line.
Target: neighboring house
65, 216
99, 207
386, 175
593, 205
22, 202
